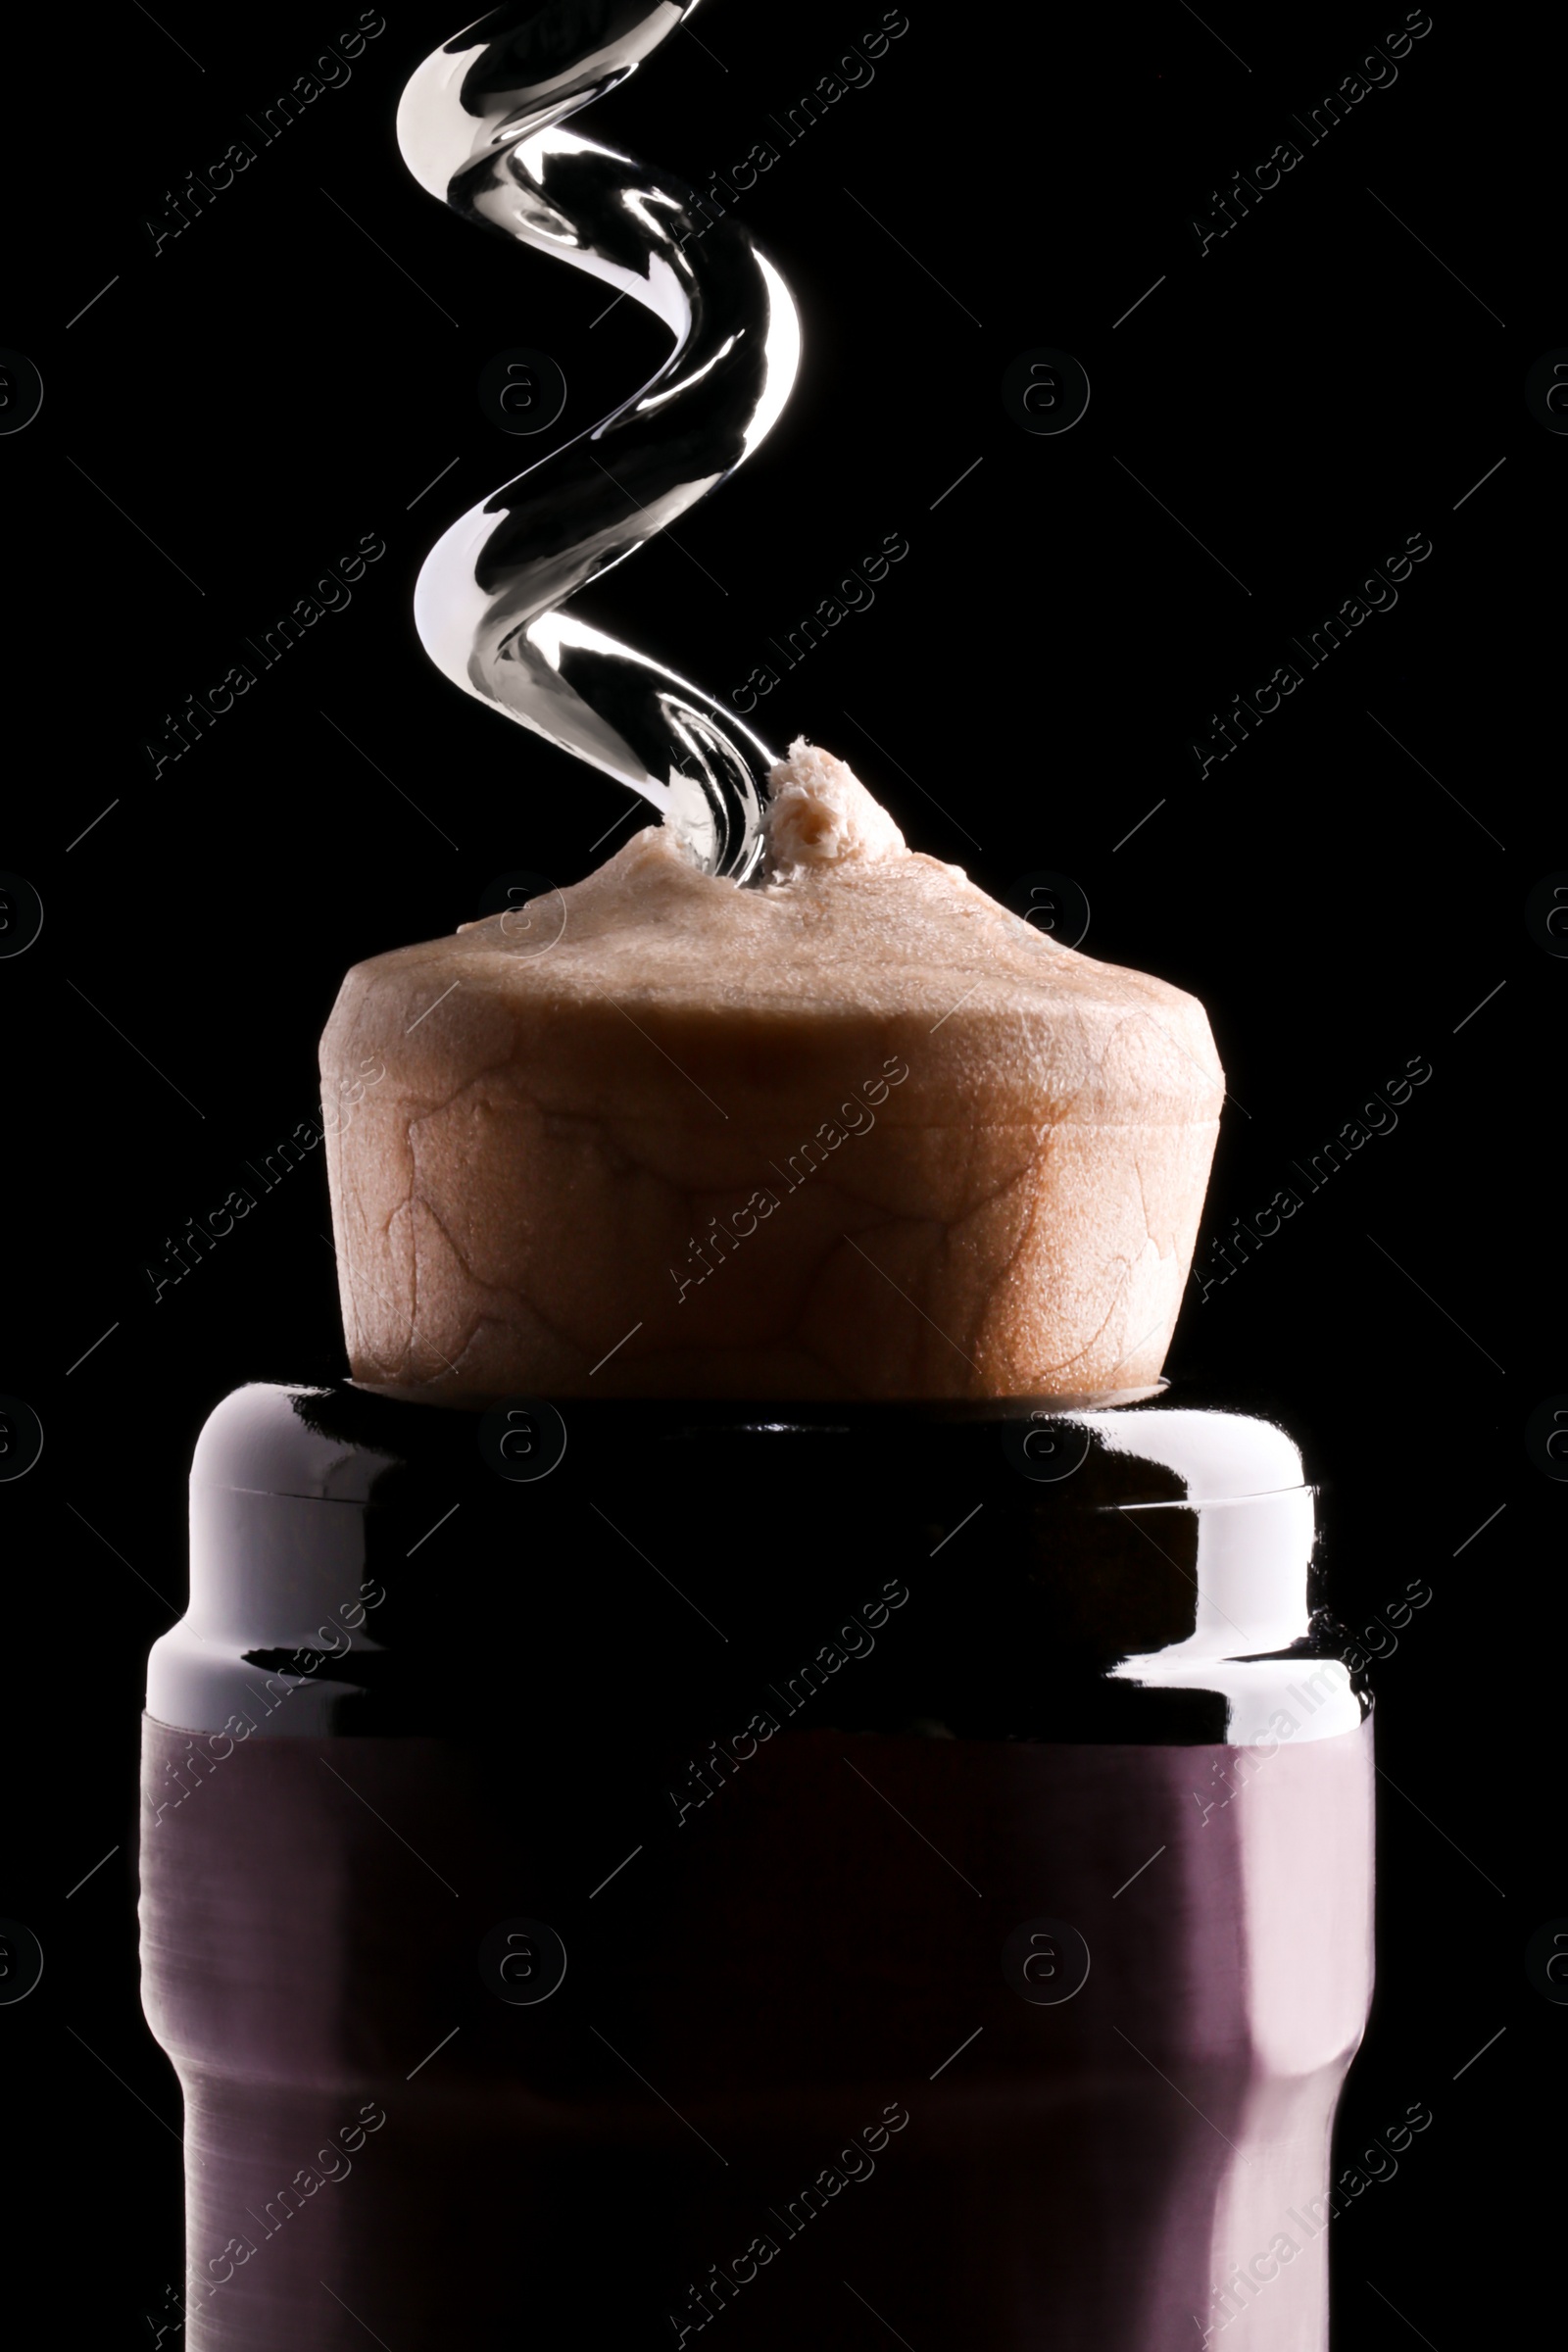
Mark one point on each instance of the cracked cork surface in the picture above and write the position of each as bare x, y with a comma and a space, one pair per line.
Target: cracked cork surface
857, 1132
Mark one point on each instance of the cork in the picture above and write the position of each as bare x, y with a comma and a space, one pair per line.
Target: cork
859, 1132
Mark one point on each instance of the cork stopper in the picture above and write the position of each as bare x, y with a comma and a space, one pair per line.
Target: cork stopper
855, 1132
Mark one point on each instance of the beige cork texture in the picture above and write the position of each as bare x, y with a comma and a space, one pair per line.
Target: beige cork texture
858, 1133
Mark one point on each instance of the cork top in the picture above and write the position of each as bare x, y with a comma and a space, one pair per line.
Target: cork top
964, 1160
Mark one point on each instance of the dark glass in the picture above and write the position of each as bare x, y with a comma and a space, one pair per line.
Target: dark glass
826, 1746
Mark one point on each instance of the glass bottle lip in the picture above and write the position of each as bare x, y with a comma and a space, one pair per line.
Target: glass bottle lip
1146, 1572
1152, 1446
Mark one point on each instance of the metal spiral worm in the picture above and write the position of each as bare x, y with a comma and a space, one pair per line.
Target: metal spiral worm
480, 126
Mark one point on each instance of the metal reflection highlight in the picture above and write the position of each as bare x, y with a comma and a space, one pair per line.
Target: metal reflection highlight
480, 127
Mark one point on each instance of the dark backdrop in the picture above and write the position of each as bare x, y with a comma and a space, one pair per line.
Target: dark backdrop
1288, 406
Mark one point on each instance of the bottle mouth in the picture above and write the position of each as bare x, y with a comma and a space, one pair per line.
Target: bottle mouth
1142, 1449
1134, 1571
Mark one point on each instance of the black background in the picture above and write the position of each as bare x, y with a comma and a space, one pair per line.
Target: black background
235, 410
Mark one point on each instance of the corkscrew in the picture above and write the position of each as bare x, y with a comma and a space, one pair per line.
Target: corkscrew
480, 125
